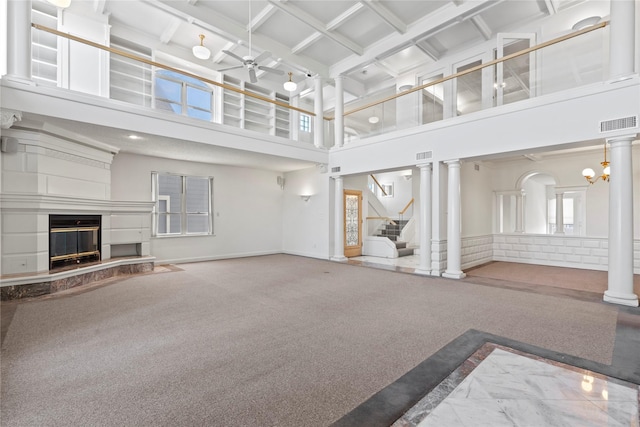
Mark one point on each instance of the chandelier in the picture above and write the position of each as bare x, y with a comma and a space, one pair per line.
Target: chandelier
589, 173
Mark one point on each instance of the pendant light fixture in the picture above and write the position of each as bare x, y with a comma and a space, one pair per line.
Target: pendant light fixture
199, 51
290, 85
589, 173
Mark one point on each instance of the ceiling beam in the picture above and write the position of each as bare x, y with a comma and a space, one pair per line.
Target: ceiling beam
233, 31
317, 25
344, 16
444, 17
171, 30
388, 17
552, 7
481, 25
306, 43
333, 24
261, 17
428, 49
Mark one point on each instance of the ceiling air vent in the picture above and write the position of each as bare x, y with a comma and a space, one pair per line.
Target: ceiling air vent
336, 169
617, 124
424, 155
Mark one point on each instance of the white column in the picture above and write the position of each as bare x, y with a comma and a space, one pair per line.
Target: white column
425, 220
19, 40
339, 119
338, 245
519, 212
559, 212
454, 239
620, 280
318, 130
438, 212
621, 38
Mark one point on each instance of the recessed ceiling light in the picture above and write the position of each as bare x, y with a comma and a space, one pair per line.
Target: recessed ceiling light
132, 136
373, 120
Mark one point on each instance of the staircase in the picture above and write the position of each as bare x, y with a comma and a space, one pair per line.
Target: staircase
392, 232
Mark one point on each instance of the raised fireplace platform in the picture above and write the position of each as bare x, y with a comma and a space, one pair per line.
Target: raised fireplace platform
17, 286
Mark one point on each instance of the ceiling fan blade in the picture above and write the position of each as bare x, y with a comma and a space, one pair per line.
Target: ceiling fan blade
252, 75
231, 68
263, 55
270, 70
233, 55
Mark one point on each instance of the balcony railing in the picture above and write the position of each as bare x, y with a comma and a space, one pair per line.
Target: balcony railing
516, 71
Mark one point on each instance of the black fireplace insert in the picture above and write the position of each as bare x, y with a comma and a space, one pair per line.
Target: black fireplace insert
73, 239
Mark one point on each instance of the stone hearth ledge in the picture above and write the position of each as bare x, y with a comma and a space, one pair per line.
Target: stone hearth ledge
14, 287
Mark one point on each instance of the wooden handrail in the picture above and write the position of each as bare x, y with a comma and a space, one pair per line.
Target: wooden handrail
479, 67
169, 68
379, 186
386, 218
406, 207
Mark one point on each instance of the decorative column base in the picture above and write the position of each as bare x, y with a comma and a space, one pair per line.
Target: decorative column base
454, 275
622, 299
339, 258
422, 272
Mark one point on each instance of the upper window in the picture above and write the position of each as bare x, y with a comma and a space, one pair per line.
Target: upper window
305, 122
183, 95
183, 204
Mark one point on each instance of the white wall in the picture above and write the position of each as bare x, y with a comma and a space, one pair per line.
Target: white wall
305, 225
247, 208
477, 199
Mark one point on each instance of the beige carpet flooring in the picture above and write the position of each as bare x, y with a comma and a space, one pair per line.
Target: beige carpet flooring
567, 278
266, 341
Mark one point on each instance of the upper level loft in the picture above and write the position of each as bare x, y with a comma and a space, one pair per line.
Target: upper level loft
479, 55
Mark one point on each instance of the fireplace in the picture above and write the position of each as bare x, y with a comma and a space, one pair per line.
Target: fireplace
73, 239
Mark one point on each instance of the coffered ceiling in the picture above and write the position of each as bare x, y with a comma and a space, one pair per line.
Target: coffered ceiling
369, 41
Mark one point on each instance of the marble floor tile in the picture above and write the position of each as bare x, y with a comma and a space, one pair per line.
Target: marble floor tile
509, 388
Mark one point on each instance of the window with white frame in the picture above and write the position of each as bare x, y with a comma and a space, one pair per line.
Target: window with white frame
183, 95
305, 122
183, 204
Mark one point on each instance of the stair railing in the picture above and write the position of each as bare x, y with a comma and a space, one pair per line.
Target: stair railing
379, 186
402, 212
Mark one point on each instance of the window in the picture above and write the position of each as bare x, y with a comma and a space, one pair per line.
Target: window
183, 204
183, 95
305, 123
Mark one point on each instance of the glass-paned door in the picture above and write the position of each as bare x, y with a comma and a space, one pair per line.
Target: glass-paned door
352, 223
515, 77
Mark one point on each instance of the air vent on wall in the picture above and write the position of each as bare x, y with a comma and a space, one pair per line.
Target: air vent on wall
336, 169
424, 155
617, 124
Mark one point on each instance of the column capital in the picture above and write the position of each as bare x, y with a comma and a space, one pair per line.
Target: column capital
621, 139
426, 166
453, 162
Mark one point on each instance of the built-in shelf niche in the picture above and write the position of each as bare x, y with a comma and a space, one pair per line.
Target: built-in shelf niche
255, 114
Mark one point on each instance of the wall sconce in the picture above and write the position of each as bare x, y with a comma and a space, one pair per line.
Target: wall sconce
305, 197
589, 173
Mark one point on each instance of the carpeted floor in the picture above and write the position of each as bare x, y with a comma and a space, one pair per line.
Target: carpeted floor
274, 340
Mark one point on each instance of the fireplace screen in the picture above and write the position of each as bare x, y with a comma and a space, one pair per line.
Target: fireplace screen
73, 239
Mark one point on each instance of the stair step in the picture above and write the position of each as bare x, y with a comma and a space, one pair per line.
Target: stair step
401, 245
405, 252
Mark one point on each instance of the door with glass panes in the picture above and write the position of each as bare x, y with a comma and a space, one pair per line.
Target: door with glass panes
352, 223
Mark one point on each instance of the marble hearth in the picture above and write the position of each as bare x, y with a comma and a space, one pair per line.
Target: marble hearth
17, 286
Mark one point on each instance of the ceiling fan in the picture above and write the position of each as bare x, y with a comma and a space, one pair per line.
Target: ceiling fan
249, 62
